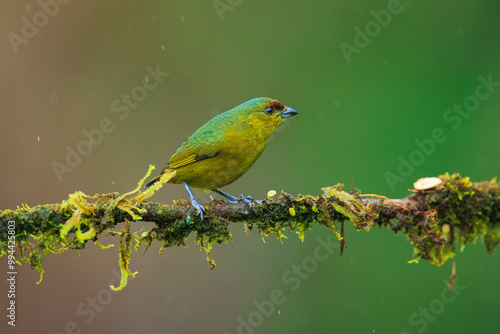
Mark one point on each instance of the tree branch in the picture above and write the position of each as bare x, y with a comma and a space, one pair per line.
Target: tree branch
454, 210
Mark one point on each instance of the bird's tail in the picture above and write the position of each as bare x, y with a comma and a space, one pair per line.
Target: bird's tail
158, 178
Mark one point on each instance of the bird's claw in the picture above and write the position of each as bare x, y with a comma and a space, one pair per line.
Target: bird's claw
248, 200
233, 199
198, 207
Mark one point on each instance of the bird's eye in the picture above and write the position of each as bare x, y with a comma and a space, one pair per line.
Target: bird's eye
269, 110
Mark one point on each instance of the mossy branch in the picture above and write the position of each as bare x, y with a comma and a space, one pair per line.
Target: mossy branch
454, 210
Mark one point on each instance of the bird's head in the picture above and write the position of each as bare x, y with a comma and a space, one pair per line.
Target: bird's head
264, 114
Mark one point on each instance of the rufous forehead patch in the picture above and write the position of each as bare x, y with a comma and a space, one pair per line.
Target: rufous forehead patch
276, 104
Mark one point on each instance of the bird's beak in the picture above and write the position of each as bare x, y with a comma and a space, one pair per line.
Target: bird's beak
289, 112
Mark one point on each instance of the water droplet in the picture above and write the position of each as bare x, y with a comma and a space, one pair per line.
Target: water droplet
38, 138
163, 47
279, 312
183, 18
113, 182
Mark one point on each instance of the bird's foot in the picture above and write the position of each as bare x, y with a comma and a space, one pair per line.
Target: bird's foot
246, 199
233, 199
198, 207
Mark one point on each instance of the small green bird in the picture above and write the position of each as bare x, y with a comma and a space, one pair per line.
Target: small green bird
223, 149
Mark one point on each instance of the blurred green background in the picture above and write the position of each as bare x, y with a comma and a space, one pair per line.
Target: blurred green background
359, 116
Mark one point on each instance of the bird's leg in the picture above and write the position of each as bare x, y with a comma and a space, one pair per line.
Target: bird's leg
234, 199
199, 208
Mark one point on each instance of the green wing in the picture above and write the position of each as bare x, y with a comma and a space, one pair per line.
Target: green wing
205, 143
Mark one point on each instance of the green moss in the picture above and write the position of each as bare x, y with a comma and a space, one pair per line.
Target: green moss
455, 213
468, 210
